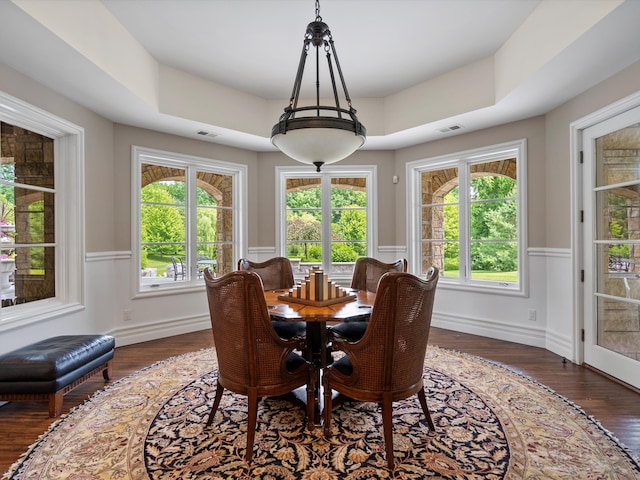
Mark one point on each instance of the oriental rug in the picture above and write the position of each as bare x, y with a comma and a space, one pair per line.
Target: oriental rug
490, 423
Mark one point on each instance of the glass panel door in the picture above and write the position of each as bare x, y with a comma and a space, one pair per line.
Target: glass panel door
612, 246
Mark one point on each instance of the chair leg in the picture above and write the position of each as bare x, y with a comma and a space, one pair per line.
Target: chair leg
216, 402
387, 428
425, 409
252, 413
326, 412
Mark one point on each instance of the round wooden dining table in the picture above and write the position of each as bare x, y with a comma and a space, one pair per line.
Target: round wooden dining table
316, 319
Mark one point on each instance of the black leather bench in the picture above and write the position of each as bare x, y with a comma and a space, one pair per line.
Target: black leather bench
49, 369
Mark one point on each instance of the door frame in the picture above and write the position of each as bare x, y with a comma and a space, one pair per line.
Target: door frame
577, 241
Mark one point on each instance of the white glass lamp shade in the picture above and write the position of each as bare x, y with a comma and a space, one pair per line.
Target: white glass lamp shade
318, 145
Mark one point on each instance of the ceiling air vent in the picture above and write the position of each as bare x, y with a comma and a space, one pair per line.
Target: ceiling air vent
451, 128
204, 133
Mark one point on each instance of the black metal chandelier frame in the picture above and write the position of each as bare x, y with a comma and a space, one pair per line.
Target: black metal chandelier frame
319, 35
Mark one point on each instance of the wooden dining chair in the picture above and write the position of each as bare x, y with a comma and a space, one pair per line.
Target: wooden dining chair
276, 274
366, 275
368, 271
252, 359
386, 365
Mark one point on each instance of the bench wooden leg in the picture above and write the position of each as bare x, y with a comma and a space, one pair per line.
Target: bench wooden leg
55, 403
106, 373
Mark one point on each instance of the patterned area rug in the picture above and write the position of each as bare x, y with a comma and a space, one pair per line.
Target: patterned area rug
491, 423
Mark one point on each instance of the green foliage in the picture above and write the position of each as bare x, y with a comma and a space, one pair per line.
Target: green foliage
494, 216
347, 197
352, 225
303, 227
348, 222
305, 198
176, 189
342, 252
314, 253
161, 224
619, 251
7, 172
496, 257
7, 209
144, 258
451, 249
486, 188
451, 264
203, 198
206, 231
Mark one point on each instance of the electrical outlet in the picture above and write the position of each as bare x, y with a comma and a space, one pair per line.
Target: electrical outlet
532, 315
126, 315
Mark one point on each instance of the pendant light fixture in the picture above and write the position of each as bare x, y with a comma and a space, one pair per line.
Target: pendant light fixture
318, 134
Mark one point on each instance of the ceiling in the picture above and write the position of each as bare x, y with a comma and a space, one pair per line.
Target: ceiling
413, 68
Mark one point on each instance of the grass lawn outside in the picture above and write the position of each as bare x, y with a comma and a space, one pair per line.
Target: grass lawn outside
511, 277
158, 261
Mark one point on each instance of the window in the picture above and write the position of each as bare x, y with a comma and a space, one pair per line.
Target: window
187, 218
468, 220
326, 217
41, 249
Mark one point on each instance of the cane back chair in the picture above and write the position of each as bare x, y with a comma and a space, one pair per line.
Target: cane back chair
386, 364
276, 274
367, 272
366, 275
252, 359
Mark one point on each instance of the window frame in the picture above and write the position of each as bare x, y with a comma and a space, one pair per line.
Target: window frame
191, 164
368, 172
69, 217
462, 160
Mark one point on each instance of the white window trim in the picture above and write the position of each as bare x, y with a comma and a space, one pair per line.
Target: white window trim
370, 172
69, 188
493, 152
158, 157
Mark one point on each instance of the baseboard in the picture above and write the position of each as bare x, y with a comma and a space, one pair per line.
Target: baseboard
560, 345
532, 336
162, 329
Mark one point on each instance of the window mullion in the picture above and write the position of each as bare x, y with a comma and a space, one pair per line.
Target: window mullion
191, 220
326, 223
464, 222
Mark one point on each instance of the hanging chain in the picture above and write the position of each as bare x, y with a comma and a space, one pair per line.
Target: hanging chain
318, 17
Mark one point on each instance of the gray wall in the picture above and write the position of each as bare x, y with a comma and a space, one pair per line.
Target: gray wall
108, 239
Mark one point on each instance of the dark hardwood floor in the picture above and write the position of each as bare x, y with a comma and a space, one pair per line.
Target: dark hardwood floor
616, 407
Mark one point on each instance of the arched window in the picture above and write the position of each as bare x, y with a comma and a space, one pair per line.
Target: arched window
41, 247
469, 216
325, 218
188, 217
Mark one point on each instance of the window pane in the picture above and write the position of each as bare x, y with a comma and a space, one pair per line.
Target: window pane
439, 195
338, 226
619, 208
163, 223
27, 216
348, 221
304, 219
489, 186
619, 165
348, 192
494, 261
494, 220
214, 213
